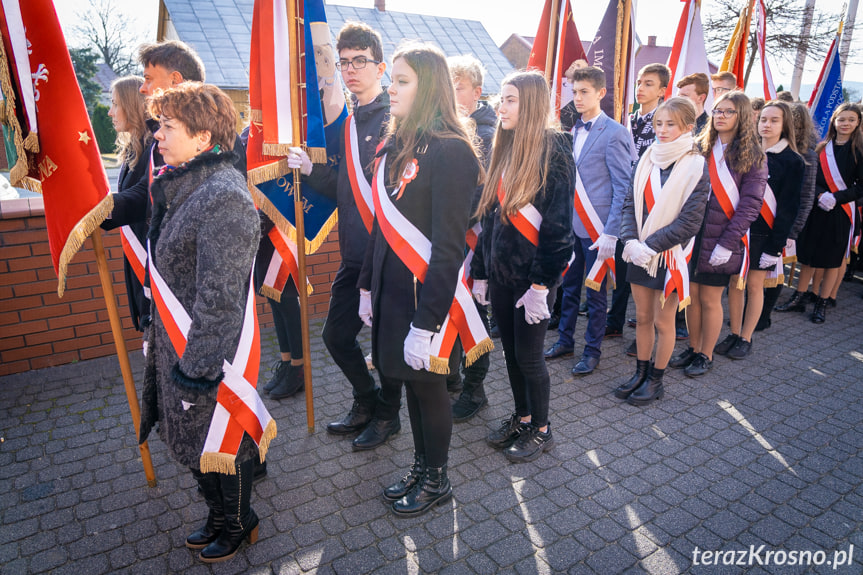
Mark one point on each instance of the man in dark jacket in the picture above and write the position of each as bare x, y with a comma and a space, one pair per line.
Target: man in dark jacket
375, 412
467, 78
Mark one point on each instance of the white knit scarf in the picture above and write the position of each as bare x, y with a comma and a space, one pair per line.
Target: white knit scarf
687, 171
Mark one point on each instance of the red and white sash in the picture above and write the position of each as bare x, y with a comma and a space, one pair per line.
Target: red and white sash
471, 237
132, 248
676, 260
726, 192
776, 275
283, 265
359, 185
239, 408
594, 226
526, 220
834, 180
414, 250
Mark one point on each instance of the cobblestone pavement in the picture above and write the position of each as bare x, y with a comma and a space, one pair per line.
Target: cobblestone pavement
764, 451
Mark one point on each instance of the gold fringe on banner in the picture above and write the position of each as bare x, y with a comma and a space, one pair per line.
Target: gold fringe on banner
317, 155
268, 172
479, 350
31, 142
265, 205
315, 243
2, 111
79, 234
276, 149
19, 171
31, 184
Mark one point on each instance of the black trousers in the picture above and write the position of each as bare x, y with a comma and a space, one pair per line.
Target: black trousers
431, 419
523, 350
620, 296
289, 331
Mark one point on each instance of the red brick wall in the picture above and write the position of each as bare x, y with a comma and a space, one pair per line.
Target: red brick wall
38, 329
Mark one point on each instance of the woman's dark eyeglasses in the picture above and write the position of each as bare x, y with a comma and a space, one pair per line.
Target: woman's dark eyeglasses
723, 113
358, 63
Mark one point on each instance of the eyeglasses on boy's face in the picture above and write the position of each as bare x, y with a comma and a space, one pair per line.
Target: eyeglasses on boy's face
718, 113
358, 63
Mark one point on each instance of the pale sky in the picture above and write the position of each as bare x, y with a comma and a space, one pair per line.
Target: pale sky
504, 17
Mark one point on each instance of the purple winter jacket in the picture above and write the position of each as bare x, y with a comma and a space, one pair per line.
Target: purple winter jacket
718, 229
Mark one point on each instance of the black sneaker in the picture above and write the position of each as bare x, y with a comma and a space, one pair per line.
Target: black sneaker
726, 344
699, 366
508, 432
740, 350
683, 359
529, 446
466, 406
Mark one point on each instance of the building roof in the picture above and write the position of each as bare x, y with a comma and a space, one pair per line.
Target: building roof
220, 31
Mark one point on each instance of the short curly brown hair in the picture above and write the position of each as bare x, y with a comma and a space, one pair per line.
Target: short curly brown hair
199, 107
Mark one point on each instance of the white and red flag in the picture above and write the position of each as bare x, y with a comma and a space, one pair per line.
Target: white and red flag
564, 43
689, 54
761, 34
61, 160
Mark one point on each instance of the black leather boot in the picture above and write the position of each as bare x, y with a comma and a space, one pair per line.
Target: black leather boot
376, 433
796, 303
240, 520
209, 487
624, 390
403, 486
819, 314
434, 489
279, 374
291, 384
357, 418
649, 390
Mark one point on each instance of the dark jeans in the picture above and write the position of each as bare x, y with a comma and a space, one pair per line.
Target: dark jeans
340, 334
596, 302
431, 419
289, 331
620, 296
525, 362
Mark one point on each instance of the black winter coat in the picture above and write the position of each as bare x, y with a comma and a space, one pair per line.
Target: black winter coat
807, 192
785, 178
678, 232
486, 122
437, 202
334, 182
506, 257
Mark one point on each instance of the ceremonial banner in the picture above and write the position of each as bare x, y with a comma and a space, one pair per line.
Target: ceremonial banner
62, 162
735, 55
565, 44
827, 94
613, 49
761, 33
322, 116
689, 54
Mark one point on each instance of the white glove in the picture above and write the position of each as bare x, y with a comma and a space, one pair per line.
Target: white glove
719, 256
480, 291
790, 245
418, 348
604, 246
767, 261
365, 311
827, 201
298, 158
535, 303
642, 255
144, 347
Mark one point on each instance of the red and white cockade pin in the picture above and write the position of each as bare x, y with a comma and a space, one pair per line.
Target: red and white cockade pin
408, 176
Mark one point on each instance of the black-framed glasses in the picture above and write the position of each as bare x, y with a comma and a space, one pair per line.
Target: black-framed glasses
358, 63
723, 113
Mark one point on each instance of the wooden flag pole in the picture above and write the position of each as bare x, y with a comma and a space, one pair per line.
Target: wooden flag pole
122, 352
551, 49
294, 25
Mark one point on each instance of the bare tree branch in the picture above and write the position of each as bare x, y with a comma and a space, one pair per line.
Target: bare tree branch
111, 34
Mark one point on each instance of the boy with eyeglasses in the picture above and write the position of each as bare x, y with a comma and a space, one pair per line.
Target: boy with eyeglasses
375, 412
723, 82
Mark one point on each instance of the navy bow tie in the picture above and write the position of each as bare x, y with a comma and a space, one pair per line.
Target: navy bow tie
585, 125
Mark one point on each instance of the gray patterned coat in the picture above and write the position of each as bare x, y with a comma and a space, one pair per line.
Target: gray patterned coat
205, 231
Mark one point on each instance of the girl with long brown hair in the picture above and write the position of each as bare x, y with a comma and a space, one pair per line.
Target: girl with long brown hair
662, 212
526, 241
425, 176
824, 241
738, 175
769, 232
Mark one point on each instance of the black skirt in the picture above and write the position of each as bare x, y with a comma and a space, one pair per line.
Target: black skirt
702, 278
638, 275
824, 238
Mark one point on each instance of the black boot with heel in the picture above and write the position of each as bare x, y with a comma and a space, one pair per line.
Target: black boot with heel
209, 487
403, 486
624, 390
649, 390
240, 520
434, 489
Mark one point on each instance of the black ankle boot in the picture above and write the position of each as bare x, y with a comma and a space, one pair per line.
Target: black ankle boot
240, 520
293, 381
649, 390
796, 303
434, 489
403, 486
209, 486
819, 314
624, 390
280, 373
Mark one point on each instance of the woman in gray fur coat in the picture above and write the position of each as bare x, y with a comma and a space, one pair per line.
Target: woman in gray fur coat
203, 236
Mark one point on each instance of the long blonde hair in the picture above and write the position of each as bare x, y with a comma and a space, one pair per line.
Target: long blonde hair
856, 138
127, 97
520, 156
744, 152
433, 113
